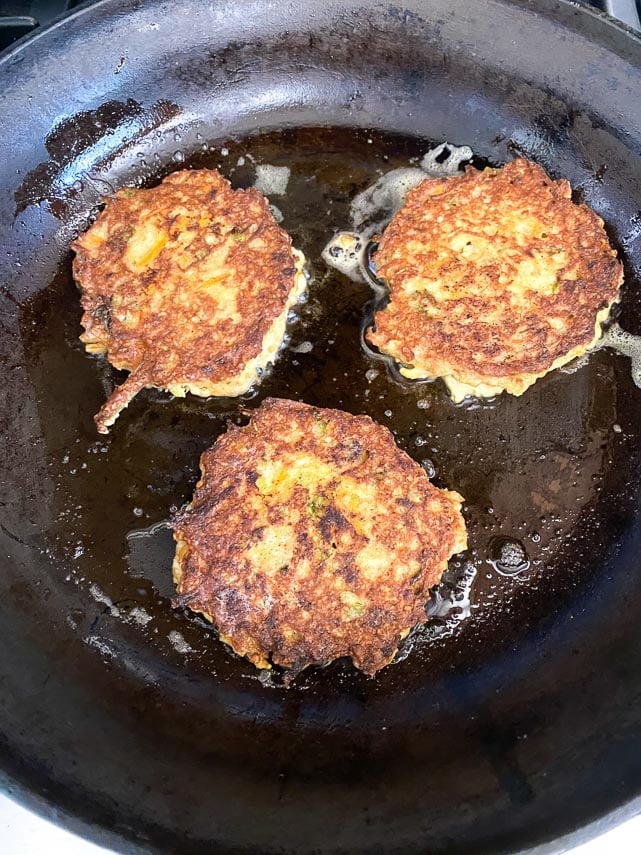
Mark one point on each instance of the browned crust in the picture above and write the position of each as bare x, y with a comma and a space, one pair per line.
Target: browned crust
297, 616
486, 332
176, 338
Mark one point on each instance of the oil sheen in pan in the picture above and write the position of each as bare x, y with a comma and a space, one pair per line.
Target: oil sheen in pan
551, 470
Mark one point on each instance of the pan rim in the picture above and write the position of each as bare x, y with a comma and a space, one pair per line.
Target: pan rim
90, 6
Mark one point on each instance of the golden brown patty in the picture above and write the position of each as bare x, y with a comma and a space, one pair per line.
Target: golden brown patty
495, 278
187, 286
312, 536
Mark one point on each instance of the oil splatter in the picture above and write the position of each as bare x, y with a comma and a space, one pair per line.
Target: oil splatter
627, 345
178, 642
375, 206
272, 180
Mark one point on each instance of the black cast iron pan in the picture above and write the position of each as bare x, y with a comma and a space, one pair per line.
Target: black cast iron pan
515, 720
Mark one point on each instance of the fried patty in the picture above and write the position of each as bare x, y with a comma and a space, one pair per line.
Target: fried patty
496, 277
186, 285
312, 536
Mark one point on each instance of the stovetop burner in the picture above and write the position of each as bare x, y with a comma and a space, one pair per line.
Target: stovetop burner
20, 17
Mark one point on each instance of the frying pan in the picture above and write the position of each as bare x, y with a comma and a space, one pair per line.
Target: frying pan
514, 721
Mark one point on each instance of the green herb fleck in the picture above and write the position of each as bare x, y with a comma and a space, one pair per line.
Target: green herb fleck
316, 506
355, 608
321, 424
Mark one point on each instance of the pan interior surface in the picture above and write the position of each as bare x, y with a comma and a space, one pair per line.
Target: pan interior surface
514, 716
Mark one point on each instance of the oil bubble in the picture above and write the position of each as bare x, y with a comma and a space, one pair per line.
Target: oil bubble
507, 556
429, 468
